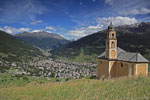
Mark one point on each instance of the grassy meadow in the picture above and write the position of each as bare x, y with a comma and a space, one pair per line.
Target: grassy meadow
134, 88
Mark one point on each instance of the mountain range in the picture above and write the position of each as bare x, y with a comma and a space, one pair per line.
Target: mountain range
132, 38
43, 40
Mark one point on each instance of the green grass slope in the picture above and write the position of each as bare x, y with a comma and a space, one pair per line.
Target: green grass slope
13, 49
83, 89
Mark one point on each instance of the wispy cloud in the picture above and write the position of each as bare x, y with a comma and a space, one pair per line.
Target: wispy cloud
94, 0
128, 7
37, 30
36, 22
1, 9
109, 2
141, 11
21, 10
76, 17
12, 30
102, 23
50, 28
84, 31
119, 20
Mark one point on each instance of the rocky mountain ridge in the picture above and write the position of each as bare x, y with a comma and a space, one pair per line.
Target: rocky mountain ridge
43, 40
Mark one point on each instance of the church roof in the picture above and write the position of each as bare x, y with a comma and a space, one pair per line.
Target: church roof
127, 56
111, 26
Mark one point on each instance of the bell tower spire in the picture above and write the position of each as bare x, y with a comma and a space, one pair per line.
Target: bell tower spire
111, 43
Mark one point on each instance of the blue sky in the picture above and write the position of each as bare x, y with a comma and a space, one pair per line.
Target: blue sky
72, 19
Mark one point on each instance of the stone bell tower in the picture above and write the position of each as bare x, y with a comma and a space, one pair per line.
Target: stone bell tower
111, 43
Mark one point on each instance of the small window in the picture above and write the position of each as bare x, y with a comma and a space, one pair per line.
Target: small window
121, 65
112, 35
113, 44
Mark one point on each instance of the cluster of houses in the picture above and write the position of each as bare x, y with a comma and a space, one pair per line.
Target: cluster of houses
55, 68
64, 69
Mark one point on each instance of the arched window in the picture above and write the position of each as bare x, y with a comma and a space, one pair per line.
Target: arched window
112, 44
121, 65
113, 36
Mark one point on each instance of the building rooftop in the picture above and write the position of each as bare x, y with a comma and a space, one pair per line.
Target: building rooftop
110, 26
126, 56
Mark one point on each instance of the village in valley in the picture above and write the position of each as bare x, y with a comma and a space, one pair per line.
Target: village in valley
74, 50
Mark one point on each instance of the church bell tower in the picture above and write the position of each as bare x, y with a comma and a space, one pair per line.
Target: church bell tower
111, 43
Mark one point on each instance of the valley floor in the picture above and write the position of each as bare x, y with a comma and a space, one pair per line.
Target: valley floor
134, 88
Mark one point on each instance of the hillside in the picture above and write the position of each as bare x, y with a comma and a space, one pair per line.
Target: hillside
82, 89
43, 39
132, 38
13, 49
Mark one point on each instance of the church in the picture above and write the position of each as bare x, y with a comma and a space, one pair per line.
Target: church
116, 62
